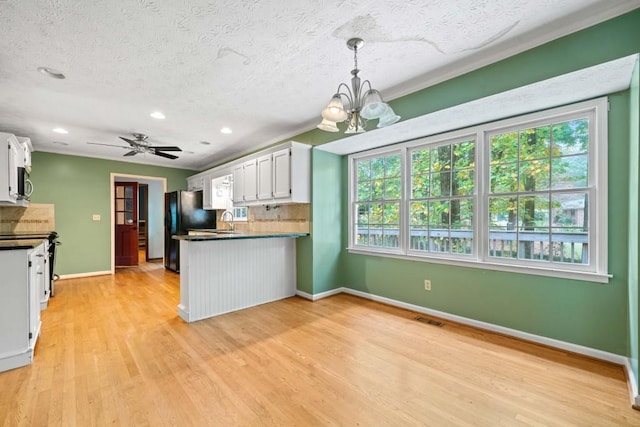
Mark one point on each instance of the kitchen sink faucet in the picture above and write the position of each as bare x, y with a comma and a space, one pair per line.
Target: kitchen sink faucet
224, 214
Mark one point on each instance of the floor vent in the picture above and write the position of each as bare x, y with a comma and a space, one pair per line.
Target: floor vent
429, 321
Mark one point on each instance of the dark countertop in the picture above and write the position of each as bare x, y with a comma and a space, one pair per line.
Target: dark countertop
201, 235
7, 245
25, 235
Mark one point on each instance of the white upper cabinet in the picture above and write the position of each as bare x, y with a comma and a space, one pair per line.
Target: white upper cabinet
264, 178
207, 192
195, 183
250, 181
25, 153
282, 174
221, 193
10, 150
277, 175
292, 174
238, 185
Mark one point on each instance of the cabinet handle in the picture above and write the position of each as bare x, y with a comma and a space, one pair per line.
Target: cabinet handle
39, 255
39, 272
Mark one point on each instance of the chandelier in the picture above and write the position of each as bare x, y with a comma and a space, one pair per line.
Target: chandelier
360, 105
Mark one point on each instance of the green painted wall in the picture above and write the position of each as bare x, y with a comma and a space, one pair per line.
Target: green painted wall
80, 187
318, 268
634, 218
326, 217
590, 314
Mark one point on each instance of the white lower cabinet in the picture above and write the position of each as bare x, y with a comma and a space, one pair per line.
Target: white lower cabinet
40, 269
19, 305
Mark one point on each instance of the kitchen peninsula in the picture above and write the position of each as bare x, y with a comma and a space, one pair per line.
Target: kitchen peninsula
223, 271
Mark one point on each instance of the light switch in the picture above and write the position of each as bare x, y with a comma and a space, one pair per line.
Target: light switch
96, 217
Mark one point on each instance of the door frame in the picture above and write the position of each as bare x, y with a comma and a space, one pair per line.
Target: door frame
144, 201
112, 181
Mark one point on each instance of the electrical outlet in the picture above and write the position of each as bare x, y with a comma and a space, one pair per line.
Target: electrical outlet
96, 217
427, 285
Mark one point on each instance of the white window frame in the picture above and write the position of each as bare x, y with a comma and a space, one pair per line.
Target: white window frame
238, 218
448, 139
380, 152
595, 271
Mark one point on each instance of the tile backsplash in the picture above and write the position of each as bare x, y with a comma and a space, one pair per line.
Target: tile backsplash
38, 217
289, 218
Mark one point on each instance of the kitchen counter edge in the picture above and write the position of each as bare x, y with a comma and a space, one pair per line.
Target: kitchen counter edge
7, 245
236, 236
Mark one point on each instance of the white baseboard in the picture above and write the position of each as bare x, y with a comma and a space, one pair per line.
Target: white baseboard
631, 381
562, 345
16, 360
89, 274
321, 295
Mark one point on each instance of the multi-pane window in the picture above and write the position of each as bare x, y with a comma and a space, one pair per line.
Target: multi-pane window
539, 193
377, 201
240, 214
441, 202
526, 192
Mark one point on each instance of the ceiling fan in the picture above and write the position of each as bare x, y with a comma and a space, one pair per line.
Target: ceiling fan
140, 145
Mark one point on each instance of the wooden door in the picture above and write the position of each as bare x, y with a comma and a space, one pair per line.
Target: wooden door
126, 219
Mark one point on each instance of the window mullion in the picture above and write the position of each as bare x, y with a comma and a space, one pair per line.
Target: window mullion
404, 201
481, 202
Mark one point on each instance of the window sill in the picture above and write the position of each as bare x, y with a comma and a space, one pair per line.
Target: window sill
562, 274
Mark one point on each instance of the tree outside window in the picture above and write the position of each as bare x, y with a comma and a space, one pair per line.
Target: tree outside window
379, 189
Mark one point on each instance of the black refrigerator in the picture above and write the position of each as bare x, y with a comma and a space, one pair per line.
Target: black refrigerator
183, 212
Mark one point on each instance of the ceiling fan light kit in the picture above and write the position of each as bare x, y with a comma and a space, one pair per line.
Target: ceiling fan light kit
361, 106
139, 145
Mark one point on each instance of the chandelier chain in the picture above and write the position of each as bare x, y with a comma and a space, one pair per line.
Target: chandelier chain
355, 57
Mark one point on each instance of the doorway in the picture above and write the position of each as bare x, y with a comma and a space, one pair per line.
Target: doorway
143, 232
126, 227
155, 187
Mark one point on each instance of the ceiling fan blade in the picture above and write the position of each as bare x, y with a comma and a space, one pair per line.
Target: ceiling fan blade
107, 145
168, 156
131, 153
165, 148
130, 141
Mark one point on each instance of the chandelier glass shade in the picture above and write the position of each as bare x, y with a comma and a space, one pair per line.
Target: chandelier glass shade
360, 106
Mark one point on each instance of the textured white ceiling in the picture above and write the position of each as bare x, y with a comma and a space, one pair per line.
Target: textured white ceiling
264, 68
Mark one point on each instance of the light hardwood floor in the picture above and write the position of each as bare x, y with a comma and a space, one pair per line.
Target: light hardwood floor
114, 352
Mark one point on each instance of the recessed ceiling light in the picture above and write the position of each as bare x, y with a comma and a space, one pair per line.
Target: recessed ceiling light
158, 115
60, 143
226, 130
205, 143
51, 72
60, 130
